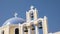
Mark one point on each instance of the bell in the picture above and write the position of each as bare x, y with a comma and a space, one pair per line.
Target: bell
40, 25
25, 29
33, 28
32, 16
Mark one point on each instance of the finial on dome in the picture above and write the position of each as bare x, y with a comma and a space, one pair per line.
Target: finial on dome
31, 7
15, 14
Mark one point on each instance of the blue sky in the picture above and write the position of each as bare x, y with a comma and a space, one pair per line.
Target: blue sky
49, 8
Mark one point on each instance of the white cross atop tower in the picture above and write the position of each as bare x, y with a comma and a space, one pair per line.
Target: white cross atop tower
15, 14
31, 7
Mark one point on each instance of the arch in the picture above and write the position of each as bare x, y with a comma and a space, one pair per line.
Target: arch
40, 24
25, 29
33, 27
32, 15
17, 31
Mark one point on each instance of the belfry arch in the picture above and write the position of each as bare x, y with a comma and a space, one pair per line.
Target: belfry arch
17, 31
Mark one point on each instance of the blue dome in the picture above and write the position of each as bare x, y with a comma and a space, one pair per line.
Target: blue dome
14, 21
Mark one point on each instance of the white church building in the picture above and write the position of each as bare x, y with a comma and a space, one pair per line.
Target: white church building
31, 25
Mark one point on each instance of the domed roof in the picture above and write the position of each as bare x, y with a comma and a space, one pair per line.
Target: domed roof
14, 20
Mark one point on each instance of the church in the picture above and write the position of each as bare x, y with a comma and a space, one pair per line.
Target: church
31, 25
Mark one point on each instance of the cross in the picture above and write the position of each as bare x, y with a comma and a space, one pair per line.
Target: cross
15, 14
32, 7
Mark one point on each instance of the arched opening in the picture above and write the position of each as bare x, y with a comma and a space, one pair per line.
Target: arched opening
16, 31
25, 29
32, 15
40, 24
33, 27
40, 27
2, 32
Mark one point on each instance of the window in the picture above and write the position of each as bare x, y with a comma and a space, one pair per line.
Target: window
16, 31
2, 32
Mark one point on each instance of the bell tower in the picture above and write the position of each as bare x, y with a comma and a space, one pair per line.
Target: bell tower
31, 14
39, 23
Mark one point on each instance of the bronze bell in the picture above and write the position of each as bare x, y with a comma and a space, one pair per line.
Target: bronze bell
25, 29
32, 15
40, 25
33, 27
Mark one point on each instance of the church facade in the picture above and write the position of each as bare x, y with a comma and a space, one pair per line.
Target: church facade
31, 25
